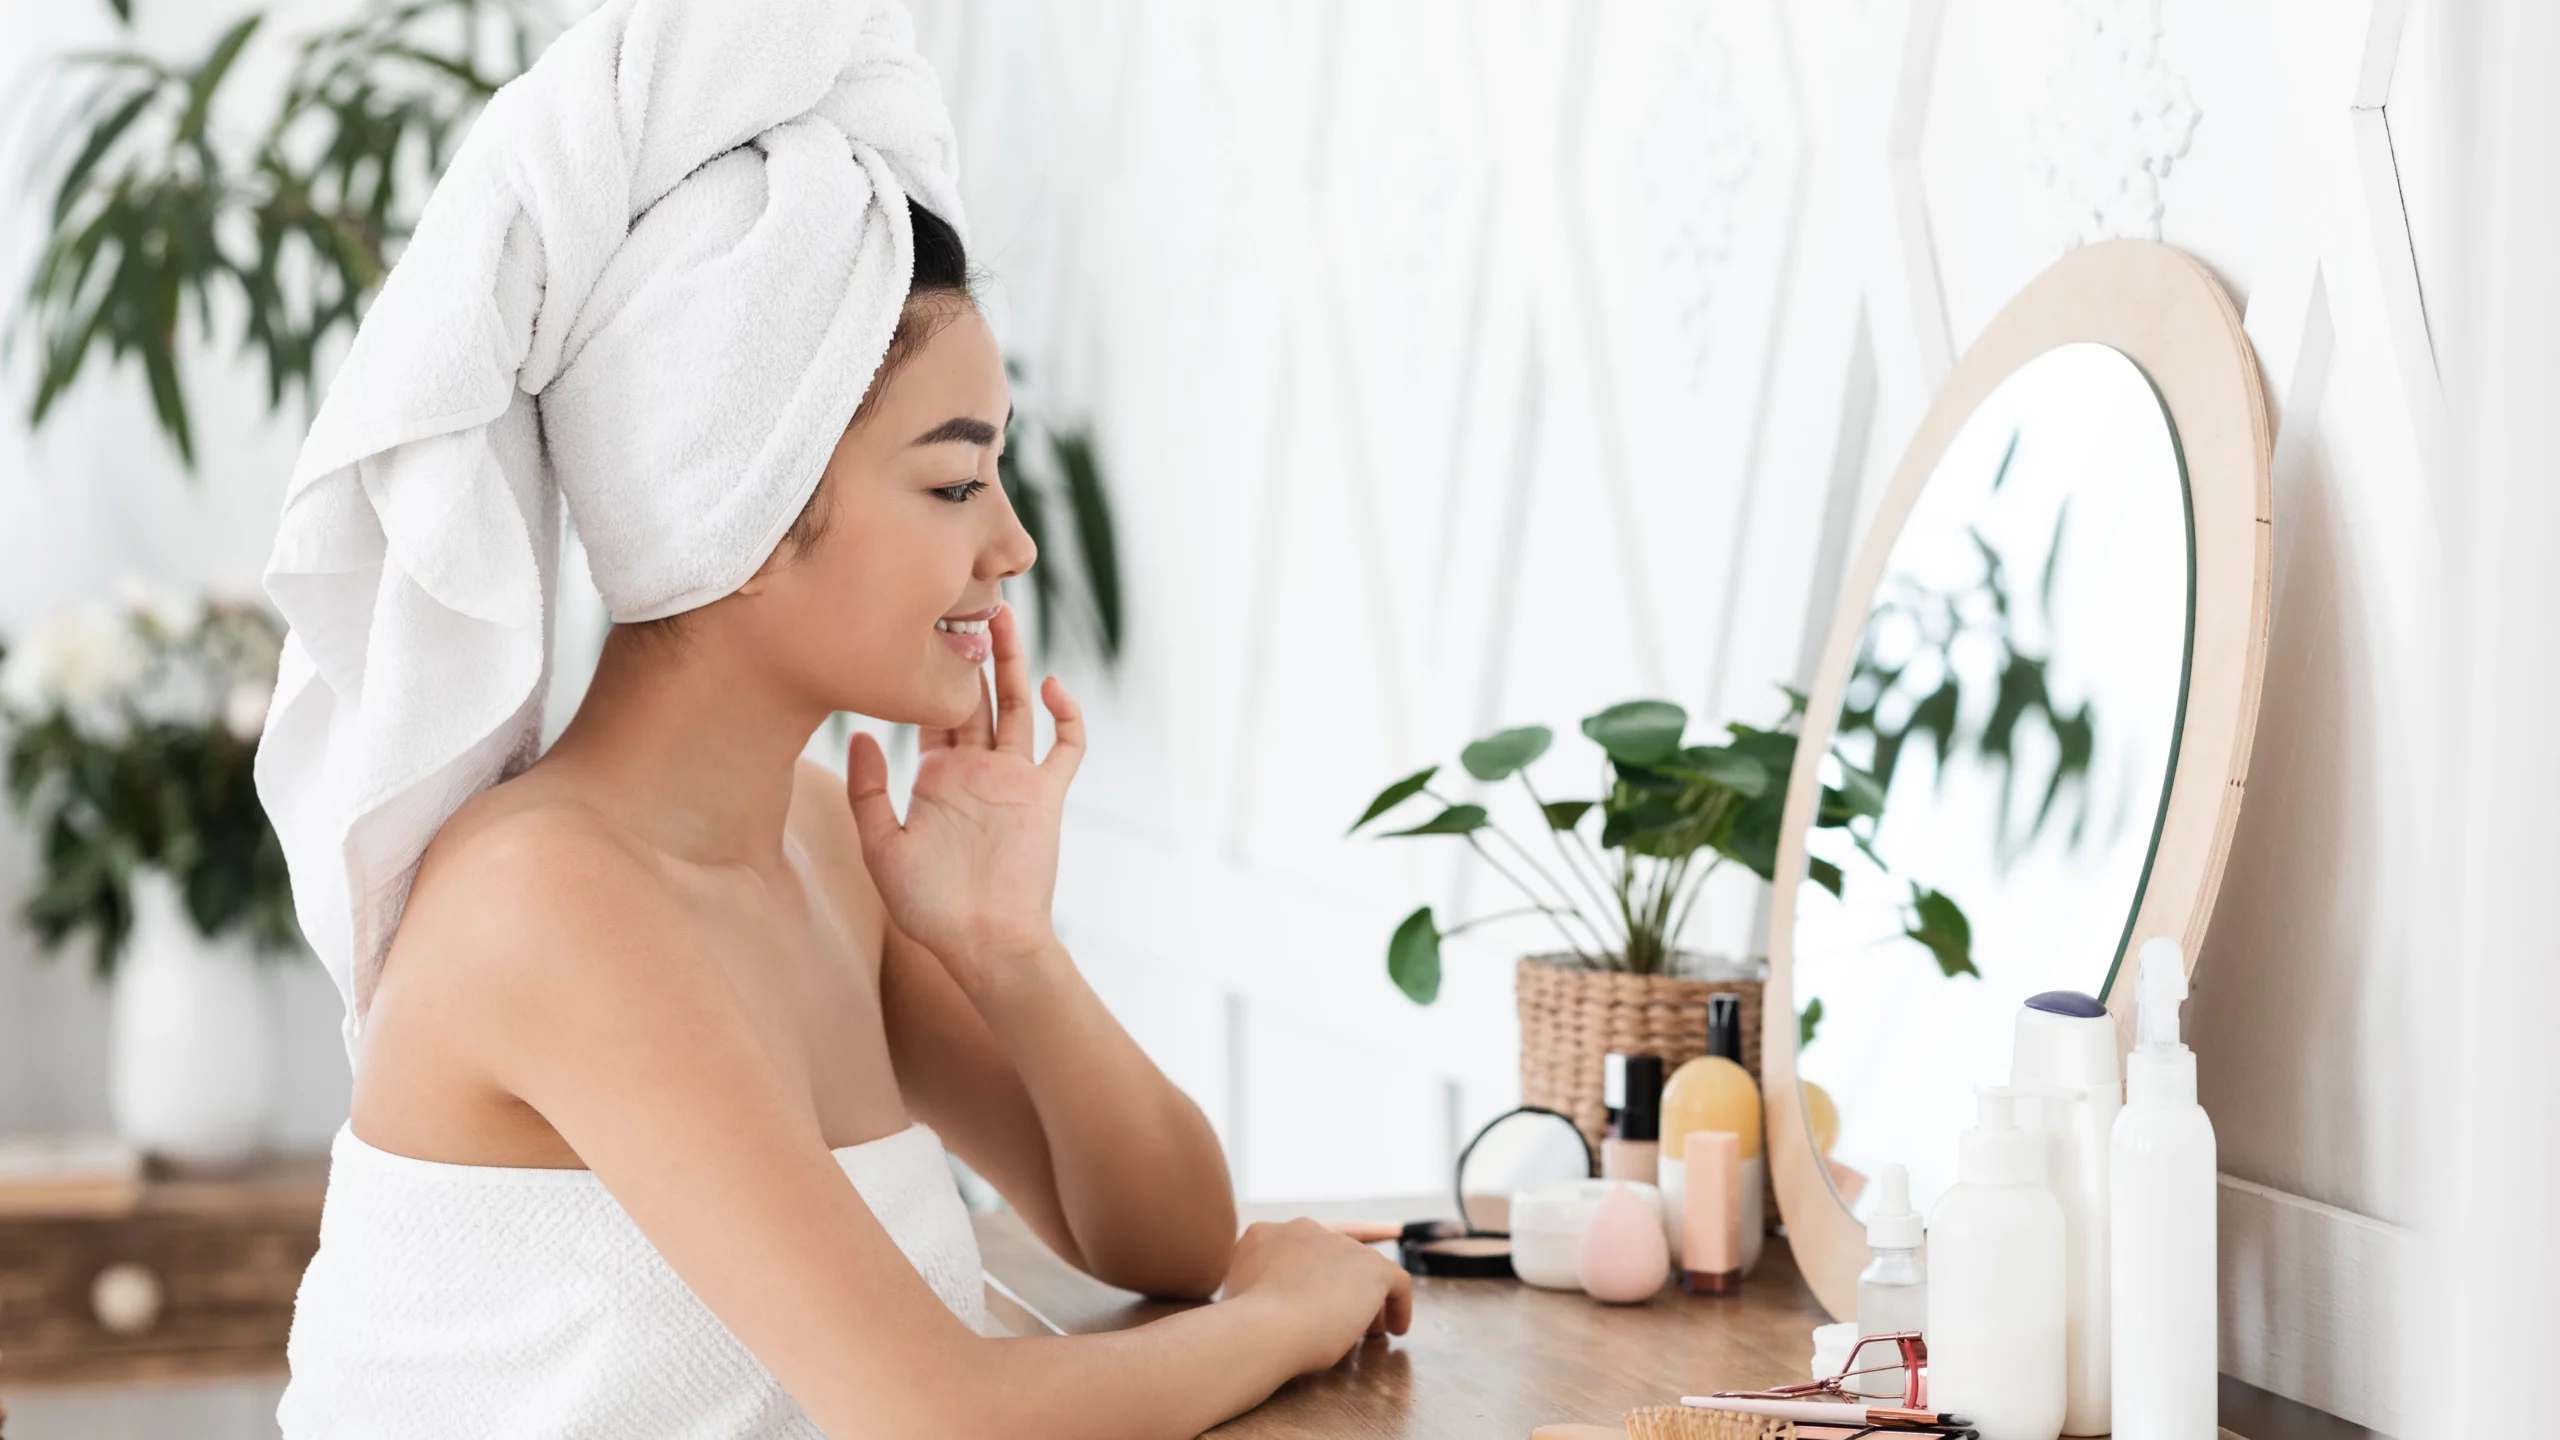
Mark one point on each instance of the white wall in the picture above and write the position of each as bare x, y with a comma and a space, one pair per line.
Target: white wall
1470, 362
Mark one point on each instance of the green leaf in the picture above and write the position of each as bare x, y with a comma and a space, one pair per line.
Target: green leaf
1857, 796
1721, 765
1413, 957
1808, 1020
1939, 923
1638, 732
1456, 820
1394, 795
1823, 873
95, 148
1565, 814
1495, 757
209, 76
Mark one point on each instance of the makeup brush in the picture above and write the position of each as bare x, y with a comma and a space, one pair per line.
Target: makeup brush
1684, 1422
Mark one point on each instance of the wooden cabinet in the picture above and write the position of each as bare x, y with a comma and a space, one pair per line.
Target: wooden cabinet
193, 1278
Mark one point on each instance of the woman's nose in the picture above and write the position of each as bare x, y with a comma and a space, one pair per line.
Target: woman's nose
1014, 550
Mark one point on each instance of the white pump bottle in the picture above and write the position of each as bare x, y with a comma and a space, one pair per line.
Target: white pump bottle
2161, 1184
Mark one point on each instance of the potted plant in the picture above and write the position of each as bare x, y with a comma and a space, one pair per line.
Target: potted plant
1668, 814
131, 734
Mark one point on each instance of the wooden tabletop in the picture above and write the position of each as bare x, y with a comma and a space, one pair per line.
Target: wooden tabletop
1486, 1359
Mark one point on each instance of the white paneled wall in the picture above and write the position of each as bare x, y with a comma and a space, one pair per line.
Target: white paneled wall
1474, 364
1464, 363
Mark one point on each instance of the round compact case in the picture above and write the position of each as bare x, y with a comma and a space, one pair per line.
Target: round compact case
1517, 1151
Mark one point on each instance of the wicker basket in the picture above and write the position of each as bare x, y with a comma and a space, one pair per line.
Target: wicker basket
1570, 1017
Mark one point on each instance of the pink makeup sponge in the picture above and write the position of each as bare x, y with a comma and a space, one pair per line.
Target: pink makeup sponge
1624, 1256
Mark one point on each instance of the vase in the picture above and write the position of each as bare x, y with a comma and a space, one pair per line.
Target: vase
193, 1067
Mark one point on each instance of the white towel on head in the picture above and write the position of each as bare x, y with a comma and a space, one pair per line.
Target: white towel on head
656, 280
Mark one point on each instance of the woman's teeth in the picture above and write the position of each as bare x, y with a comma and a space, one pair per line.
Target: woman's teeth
961, 627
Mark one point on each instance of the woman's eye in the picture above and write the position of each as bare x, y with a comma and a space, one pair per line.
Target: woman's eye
963, 491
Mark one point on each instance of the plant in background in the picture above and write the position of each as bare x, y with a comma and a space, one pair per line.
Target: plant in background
131, 734
153, 216
1668, 815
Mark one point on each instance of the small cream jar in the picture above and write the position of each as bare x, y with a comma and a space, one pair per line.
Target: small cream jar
1547, 1226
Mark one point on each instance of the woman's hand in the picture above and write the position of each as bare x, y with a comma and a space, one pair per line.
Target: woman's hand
971, 873
1335, 1289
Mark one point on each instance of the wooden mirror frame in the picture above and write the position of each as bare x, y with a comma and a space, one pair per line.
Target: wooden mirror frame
2164, 311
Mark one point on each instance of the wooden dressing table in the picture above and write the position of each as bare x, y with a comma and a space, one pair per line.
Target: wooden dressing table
1486, 1359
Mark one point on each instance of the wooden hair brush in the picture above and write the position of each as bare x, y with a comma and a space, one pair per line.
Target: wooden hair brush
1688, 1422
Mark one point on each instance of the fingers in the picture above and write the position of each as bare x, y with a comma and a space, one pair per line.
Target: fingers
1399, 1308
978, 731
1066, 748
866, 788
1013, 684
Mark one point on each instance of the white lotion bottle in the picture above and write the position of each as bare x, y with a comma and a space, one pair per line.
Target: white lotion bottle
2064, 1056
1996, 1282
2161, 1177
1893, 1291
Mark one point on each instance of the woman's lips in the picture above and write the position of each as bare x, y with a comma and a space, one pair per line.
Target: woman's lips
967, 636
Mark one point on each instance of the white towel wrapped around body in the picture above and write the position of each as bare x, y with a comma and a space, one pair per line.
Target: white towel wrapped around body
656, 281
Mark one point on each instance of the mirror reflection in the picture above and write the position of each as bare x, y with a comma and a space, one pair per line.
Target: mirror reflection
2015, 701
1519, 1150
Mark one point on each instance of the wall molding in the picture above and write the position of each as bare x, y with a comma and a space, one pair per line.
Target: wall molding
2311, 1296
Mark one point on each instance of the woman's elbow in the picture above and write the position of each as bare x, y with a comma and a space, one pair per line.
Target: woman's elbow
1188, 1262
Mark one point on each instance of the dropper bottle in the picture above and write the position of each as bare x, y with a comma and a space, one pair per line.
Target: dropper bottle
1893, 1291
2161, 1189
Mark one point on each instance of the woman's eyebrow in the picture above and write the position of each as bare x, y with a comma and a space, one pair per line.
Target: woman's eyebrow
967, 429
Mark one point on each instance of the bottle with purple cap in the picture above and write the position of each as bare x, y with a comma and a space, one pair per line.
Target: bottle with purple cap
2064, 1060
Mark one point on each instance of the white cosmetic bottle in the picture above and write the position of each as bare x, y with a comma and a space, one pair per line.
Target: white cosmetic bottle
1996, 1282
2161, 1177
1893, 1291
2065, 1058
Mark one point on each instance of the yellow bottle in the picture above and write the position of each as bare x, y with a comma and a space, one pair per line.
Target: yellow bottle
1714, 1092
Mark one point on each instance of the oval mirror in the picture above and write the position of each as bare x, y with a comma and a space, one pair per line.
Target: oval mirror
2034, 710
2013, 702
1517, 1150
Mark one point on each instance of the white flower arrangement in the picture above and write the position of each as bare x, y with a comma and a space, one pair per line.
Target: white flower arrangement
132, 728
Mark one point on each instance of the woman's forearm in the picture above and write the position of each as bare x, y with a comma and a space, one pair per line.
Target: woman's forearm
1174, 1378
1140, 1177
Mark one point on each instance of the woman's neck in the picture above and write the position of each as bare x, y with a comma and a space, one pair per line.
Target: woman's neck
687, 747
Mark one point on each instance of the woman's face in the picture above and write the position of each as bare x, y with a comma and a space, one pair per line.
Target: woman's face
885, 613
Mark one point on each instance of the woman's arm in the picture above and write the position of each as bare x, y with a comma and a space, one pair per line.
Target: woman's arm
999, 1042
1034, 1083
590, 1002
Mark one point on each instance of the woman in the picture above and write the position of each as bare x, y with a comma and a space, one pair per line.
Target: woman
658, 1037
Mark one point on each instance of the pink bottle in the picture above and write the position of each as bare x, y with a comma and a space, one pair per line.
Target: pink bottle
1624, 1256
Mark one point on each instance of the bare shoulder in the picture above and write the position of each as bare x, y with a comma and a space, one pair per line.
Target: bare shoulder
512, 870
535, 925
